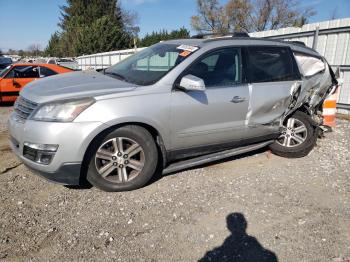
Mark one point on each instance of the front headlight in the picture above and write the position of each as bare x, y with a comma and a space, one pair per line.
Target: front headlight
62, 111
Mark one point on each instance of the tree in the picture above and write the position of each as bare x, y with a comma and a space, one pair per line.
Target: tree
210, 17
90, 26
21, 53
34, 49
334, 14
248, 15
53, 48
156, 37
95, 39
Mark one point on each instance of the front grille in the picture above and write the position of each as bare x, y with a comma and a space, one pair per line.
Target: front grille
23, 108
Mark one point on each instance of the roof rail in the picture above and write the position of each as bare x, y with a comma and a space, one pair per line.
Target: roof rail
240, 34
204, 36
297, 43
234, 34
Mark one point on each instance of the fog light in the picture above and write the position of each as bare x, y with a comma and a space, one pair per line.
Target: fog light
39, 153
42, 147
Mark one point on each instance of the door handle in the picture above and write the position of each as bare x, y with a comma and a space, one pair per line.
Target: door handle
237, 99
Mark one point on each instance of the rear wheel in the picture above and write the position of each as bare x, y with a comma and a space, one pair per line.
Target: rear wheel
125, 159
298, 137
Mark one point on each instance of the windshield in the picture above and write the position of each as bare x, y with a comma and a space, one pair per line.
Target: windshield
151, 64
4, 71
63, 60
5, 60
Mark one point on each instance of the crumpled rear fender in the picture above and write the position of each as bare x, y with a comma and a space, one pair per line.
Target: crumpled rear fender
271, 104
313, 90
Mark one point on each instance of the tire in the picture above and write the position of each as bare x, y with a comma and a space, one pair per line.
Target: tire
298, 138
111, 169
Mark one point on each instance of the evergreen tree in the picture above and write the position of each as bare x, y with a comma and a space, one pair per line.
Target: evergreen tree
53, 48
162, 35
90, 26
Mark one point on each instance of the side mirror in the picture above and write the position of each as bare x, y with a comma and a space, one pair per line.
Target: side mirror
192, 83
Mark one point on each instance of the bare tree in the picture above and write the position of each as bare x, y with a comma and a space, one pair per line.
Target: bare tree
34, 49
334, 14
210, 18
249, 15
130, 20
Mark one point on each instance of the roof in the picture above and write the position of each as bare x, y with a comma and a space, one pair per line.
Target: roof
246, 41
189, 41
51, 66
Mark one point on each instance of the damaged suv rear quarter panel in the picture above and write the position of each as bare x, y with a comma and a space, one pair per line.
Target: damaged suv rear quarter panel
271, 102
315, 86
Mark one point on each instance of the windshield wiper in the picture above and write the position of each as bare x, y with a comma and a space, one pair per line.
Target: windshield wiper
119, 76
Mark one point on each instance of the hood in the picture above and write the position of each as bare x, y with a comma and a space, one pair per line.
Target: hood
73, 85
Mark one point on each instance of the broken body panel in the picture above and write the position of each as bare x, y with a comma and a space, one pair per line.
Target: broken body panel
269, 106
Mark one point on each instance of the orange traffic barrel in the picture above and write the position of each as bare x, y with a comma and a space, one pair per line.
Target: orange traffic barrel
330, 109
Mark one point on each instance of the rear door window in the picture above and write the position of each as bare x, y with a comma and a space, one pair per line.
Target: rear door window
270, 64
44, 72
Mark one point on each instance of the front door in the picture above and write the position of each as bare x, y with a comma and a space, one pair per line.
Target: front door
16, 79
216, 116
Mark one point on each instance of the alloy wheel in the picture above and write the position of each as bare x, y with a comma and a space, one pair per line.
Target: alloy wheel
294, 133
119, 159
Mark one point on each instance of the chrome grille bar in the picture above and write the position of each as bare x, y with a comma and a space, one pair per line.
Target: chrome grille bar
23, 107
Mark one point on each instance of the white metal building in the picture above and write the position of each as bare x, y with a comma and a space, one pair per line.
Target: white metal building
104, 60
330, 38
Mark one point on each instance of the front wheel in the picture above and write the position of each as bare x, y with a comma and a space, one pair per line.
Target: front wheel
124, 159
298, 137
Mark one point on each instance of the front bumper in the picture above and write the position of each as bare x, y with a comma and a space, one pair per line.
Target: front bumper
67, 174
72, 138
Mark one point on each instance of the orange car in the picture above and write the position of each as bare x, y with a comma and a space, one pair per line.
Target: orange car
16, 76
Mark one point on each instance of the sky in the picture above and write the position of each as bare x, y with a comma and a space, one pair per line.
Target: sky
26, 22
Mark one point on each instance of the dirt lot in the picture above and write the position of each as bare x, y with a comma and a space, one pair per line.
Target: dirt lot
294, 210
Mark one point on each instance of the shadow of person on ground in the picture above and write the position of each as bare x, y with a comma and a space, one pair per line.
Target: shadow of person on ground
239, 247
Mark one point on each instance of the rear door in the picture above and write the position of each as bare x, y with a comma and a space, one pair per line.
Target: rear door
274, 78
204, 119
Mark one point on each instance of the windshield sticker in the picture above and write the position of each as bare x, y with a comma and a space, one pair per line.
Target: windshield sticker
188, 48
185, 53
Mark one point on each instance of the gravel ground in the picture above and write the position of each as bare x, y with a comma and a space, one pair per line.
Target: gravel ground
253, 207
4, 111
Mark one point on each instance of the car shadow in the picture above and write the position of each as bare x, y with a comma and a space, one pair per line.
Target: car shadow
159, 175
239, 246
79, 187
199, 96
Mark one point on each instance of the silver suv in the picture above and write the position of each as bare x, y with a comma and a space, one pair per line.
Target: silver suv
172, 106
